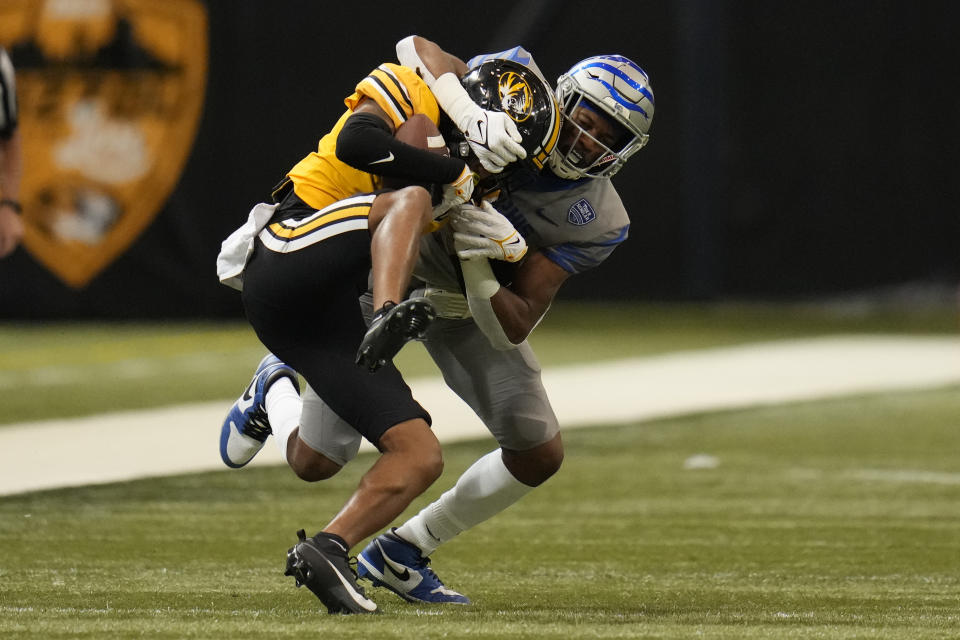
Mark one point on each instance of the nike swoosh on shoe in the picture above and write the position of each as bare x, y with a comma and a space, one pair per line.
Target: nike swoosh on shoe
405, 579
246, 400
360, 599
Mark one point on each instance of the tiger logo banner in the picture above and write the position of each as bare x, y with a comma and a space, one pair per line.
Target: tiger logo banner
110, 97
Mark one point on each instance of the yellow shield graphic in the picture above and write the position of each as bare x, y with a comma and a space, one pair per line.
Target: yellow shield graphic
110, 95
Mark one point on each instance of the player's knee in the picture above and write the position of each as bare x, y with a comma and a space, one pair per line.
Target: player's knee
426, 462
551, 461
412, 202
535, 466
544, 466
314, 469
414, 195
416, 448
431, 467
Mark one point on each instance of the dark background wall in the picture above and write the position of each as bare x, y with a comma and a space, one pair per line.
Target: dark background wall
798, 149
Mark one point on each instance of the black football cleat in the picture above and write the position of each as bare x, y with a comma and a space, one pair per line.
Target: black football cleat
320, 563
393, 326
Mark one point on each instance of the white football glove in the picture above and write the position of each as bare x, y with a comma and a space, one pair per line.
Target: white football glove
460, 190
454, 194
484, 232
493, 136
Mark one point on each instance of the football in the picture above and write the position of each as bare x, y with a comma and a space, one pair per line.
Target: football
418, 131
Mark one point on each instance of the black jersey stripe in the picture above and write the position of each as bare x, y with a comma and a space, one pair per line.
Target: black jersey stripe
401, 88
396, 103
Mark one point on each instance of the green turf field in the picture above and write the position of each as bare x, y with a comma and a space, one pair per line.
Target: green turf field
821, 520
68, 369
835, 519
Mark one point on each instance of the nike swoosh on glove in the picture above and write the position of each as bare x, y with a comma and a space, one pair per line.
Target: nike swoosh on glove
493, 136
484, 232
495, 140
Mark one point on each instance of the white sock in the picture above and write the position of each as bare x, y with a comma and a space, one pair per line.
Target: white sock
484, 490
283, 410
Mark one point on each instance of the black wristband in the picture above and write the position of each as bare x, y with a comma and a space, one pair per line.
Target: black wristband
13, 204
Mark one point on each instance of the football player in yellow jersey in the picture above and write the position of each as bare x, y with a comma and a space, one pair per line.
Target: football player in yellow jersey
572, 218
382, 102
301, 265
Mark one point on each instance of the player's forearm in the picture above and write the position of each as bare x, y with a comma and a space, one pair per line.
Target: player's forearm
516, 315
428, 59
504, 317
481, 286
366, 143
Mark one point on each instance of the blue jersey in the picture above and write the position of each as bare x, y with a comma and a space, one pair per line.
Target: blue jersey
574, 223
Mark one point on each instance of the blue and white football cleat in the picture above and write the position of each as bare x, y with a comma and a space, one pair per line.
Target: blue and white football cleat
246, 427
392, 562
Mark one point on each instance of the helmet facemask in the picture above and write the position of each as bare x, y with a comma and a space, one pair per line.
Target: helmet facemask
597, 86
579, 154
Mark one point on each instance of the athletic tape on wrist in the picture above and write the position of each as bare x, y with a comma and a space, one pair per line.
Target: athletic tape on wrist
479, 278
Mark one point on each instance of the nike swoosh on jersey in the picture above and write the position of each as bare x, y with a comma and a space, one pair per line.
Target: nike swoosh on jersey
389, 158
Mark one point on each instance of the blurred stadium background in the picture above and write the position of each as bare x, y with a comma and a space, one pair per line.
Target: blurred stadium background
799, 151
800, 182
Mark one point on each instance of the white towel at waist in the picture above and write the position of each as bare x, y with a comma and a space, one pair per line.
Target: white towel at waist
236, 249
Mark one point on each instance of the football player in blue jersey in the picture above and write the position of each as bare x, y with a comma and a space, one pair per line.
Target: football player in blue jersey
572, 219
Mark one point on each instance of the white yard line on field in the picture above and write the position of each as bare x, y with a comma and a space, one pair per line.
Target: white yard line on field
182, 439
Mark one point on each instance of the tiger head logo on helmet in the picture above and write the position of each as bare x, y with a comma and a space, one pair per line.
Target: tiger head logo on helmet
517, 90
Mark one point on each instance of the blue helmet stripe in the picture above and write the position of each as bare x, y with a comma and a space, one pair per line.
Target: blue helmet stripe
630, 62
613, 92
620, 74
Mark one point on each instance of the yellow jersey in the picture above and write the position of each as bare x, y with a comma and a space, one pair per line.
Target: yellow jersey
321, 179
